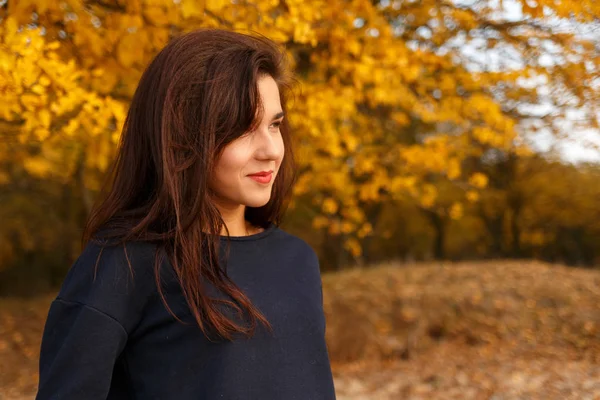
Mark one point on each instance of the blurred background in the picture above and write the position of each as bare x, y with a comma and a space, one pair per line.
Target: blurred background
449, 158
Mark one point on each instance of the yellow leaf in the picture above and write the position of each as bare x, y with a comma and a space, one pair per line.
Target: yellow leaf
53, 45
456, 211
329, 206
454, 169
192, 8
353, 246
45, 117
472, 196
365, 230
42, 133
478, 180
130, 50
216, 5
44, 81
347, 227
320, 222
157, 14
400, 118
37, 166
429, 196
354, 47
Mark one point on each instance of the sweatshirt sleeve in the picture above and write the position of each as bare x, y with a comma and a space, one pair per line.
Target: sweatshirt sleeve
98, 306
80, 346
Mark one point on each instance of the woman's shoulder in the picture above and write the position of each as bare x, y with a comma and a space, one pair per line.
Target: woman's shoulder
102, 260
111, 278
297, 245
113, 255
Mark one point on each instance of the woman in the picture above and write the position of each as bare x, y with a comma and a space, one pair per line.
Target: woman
186, 287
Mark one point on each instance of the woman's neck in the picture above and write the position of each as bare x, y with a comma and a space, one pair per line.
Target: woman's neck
244, 228
237, 223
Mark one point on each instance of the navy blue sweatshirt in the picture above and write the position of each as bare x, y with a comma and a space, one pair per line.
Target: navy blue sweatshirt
112, 337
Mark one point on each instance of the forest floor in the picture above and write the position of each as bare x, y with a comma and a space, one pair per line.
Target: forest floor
494, 331
453, 371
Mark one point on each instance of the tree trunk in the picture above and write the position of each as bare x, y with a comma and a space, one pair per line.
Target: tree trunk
331, 251
494, 227
372, 212
439, 226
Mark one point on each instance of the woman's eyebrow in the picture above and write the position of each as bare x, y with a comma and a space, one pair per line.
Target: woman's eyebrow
278, 115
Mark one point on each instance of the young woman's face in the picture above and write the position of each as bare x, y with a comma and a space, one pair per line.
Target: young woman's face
254, 152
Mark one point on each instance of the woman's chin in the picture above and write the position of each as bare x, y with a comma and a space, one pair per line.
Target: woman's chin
257, 201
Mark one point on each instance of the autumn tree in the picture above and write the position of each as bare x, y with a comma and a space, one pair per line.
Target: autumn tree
387, 97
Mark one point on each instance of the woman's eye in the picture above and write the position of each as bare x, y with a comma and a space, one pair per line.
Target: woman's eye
276, 124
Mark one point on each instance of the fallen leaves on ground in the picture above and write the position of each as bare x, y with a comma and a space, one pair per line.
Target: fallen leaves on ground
453, 371
394, 311
480, 330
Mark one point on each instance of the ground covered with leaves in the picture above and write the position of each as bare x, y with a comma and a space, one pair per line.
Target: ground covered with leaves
455, 371
486, 330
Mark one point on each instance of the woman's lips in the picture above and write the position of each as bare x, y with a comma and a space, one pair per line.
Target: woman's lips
262, 178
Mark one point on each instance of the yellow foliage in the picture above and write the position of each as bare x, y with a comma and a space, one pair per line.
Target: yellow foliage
456, 211
454, 168
366, 98
330, 206
365, 230
38, 166
353, 246
320, 222
472, 196
129, 51
192, 9
478, 180
428, 196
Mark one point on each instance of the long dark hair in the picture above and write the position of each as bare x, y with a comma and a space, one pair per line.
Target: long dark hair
198, 94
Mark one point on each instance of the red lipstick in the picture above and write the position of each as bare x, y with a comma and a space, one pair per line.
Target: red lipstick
262, 177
